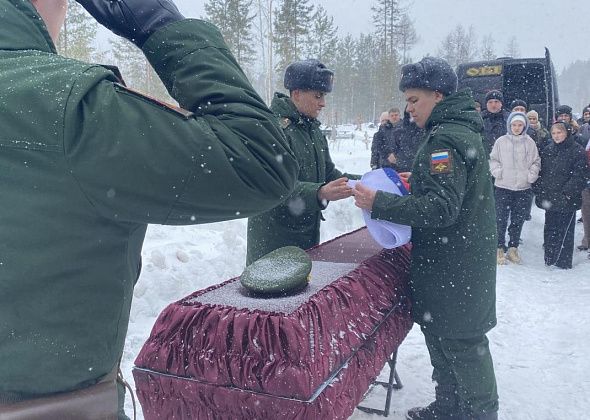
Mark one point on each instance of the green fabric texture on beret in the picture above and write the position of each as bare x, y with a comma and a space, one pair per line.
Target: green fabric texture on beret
285, 270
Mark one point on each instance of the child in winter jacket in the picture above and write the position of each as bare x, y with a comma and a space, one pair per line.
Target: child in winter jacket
558, 191
515, 165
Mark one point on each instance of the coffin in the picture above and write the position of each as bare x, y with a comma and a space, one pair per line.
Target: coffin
223, 354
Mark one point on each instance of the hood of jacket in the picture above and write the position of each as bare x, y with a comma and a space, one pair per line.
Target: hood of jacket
458, 108
21, 27
509, 122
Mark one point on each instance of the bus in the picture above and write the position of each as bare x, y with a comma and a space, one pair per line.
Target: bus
531, 79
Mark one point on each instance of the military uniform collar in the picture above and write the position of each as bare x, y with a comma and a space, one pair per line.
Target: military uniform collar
21, 28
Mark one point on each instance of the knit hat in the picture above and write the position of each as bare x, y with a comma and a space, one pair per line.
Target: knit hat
586, 109
564, 109
494, 94
517, 116
430, 73
532, 112
518, 102
308, 75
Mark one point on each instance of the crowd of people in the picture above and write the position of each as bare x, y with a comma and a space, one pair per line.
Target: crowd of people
89, 162
546, 164
529, 162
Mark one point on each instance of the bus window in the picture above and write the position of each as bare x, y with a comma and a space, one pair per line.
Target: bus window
526, 82
482, 85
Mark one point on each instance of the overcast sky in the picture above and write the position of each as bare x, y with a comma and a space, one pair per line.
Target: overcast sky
562, 25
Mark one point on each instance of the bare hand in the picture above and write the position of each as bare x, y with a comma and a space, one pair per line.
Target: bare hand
391, 158
364, 197
335, 190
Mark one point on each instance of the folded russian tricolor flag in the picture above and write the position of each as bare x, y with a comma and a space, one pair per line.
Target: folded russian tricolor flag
387, 234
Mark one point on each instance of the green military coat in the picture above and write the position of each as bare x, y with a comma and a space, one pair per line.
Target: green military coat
297, 220
452, 214
86, 164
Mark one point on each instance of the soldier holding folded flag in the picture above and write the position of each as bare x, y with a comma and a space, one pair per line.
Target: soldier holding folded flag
452, 214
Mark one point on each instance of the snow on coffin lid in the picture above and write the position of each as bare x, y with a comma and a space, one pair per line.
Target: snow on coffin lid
223, 338
234, 294
353, 247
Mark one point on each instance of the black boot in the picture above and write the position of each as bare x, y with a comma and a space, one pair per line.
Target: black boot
445, 407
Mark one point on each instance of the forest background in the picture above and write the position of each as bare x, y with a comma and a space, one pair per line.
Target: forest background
266, 35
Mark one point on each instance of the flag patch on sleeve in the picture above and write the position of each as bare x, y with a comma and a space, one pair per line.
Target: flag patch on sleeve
441, 162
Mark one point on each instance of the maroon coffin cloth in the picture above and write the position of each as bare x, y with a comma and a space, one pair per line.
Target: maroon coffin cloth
220, 353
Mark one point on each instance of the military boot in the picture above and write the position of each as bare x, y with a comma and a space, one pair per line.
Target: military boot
444, 407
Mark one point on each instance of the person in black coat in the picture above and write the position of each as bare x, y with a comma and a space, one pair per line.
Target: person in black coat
407, 137
564, 113
494, 119
558, 191
382, 143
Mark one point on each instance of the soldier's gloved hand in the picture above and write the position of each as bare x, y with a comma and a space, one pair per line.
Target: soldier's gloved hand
135, 20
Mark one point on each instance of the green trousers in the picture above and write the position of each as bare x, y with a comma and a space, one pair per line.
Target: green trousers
466, 366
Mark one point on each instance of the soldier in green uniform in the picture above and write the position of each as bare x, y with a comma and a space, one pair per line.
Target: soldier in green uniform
87, 164
451, 211
297, 220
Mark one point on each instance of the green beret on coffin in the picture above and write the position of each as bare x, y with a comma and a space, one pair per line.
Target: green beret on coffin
283, 271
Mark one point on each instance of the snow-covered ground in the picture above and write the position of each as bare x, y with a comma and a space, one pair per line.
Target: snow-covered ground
540, 345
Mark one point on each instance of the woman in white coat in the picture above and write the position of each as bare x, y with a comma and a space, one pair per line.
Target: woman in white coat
515, 165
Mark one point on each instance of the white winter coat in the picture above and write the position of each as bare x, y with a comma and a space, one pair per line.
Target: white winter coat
515, 162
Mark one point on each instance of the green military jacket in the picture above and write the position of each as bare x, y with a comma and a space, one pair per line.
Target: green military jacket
452, 213
297, 220
86, 164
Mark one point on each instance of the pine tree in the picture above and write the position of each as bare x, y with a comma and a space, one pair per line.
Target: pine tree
78, 33
291, 25
487, 48
322, 38
264, 38
136, 71
386, 17
573, 84
405, 37
512, 48
367, 83
459, 46
344, 89
234, 20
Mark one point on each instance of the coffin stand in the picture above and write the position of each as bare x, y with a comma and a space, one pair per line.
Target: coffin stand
222, 354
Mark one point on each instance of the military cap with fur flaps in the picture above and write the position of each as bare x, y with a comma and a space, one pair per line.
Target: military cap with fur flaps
308, 75
429, 73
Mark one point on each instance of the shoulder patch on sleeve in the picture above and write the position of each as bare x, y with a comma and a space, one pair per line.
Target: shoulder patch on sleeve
165, 105
441, 162
285, 122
